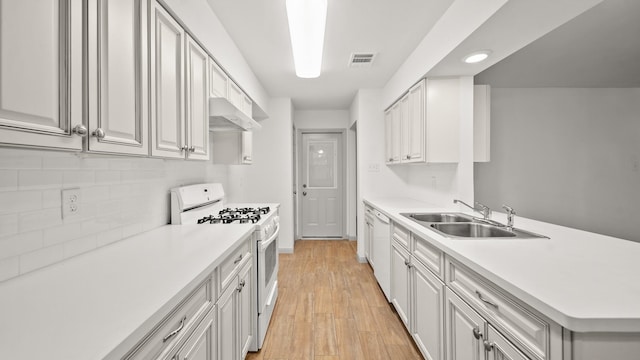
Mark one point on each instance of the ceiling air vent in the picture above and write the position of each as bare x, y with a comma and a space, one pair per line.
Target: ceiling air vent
361, 60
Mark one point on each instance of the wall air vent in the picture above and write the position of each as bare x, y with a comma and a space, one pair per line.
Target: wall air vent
361, 59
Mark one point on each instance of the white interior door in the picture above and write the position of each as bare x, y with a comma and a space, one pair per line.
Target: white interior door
321, 185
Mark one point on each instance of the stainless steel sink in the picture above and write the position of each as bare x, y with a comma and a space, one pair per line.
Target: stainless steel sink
473, 230
439, 217
462, 226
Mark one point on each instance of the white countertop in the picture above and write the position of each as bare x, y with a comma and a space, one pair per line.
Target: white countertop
87, 306
585, 282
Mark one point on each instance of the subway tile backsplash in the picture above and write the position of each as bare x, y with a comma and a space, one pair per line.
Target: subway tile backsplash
119, 197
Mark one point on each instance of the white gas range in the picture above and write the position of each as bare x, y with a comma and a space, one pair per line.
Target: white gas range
204, 205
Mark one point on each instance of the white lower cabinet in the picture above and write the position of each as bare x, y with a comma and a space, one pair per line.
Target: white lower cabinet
400, 282
417, 295
235, 316
201, 344
471, 337
428, 300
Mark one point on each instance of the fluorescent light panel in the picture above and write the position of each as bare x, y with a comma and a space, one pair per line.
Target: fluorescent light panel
307, 20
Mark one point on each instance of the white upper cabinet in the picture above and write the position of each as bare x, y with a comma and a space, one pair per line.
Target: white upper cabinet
481, 123
167, 85
179, 91
424, 124
118, 77
232, 147
197, 101
218, 81
41, 74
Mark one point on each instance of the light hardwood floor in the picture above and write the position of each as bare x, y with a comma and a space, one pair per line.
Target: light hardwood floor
330, 307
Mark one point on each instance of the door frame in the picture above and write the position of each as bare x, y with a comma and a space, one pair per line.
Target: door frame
298, 175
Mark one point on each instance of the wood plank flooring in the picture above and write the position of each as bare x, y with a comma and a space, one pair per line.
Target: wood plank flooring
331, 308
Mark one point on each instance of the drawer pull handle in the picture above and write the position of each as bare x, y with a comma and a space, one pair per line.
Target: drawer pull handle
485, 300
236, 261
176, 331
476, 333
488, 346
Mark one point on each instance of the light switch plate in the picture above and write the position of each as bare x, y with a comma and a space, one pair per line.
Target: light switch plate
374, 167
70, 202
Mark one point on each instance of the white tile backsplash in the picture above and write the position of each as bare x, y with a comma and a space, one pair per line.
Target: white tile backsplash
39, 179
8, 180
119, 197
9, 268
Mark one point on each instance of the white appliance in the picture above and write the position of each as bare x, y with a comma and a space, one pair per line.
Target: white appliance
204, 204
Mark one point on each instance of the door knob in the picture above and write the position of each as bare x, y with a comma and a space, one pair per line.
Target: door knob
304, 186
304, 193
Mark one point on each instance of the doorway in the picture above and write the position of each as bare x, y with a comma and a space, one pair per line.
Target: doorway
321, 184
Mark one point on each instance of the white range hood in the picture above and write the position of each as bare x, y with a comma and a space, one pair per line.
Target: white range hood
224, 116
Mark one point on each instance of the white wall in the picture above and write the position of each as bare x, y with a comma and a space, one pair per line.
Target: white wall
459, 21
119, 197
567, 156
270, 177
321, 119
201, 21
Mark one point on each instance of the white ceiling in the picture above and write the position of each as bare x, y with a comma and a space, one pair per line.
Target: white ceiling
392, 29
600, 48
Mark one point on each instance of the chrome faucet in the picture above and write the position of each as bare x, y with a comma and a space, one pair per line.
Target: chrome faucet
510, 215
480, 208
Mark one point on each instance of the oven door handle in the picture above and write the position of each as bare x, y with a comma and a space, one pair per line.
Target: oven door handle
265, 243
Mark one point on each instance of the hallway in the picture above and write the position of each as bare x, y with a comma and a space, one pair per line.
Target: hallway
330, 307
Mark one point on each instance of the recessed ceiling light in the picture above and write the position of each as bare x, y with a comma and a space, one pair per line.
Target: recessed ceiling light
307, 20
477, 56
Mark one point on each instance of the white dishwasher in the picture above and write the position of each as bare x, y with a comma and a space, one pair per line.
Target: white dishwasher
381, 252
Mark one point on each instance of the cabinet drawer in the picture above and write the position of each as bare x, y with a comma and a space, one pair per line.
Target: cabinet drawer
401, 235
232, 263
429, 255
173, 328
522, 327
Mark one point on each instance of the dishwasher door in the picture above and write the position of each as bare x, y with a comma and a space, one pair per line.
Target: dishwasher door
381, 252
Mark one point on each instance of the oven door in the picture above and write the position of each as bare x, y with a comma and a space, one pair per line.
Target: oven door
267, 268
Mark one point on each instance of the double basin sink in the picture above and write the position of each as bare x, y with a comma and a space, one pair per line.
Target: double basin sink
462, 226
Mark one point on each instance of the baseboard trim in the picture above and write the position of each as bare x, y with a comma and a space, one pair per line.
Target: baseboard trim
285, 250
352, 238
361, 259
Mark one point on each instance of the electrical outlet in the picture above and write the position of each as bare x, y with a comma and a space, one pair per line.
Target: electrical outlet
374, 167
70, 202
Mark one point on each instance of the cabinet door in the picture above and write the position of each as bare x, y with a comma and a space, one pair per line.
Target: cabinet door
499, 348
464, 329
167, 85
219, 81
405, 136
427, 300
245, 307
41, 73
118, 77
235, 95
247, 147
396, 133
400, 283
368, 238
415, 124
247, 105
197, 101
228, 323
388, 136
201, 344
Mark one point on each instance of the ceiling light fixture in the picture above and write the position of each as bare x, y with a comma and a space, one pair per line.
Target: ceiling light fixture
307, 20
477, 56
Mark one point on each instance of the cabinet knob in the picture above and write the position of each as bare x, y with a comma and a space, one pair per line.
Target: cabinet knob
247, 158
407, 263
184, 148
488, 346
192, 149
99, 133
80, 130
476, 333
